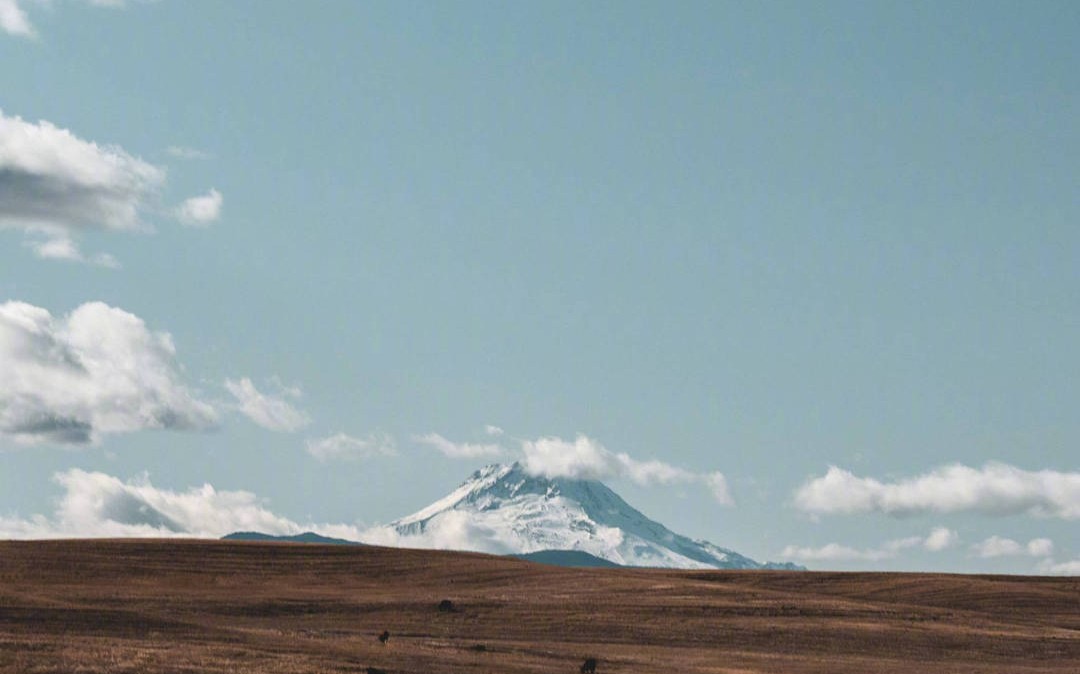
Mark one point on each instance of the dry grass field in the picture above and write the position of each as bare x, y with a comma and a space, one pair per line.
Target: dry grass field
207, 607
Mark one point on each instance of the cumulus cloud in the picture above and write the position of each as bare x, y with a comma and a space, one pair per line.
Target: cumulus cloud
96, 371
53, 181
994, 489
998, 546
938, 539
99, 505
269, 411
202, 210
459, 450
13, 19
55, 186
585, 458
493, 431
347, 448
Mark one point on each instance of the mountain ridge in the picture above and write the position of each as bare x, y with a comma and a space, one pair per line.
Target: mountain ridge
510, 510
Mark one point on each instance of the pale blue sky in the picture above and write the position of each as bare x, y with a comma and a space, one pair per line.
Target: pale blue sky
755, 238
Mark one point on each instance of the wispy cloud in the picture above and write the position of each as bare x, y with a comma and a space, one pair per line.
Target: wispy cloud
998, 546
343, 447
96, 371
182, 152
272, 412
938, 539
459, 450
994, 489
62, 247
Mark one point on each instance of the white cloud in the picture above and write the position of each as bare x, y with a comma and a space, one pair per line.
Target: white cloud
1040, 547
994, 489
345, 447
97, 371
459, 450
100, 505
1069, 568
585, 458
63, 247
13, 19
202, 210
493, 431
271, 412
718, 485
938, 539
52, 181
450, 530
834, 552
998, 546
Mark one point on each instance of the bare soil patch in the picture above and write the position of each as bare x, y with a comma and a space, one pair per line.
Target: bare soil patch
127, 607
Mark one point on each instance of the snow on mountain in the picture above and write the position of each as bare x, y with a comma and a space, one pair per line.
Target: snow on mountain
504, 510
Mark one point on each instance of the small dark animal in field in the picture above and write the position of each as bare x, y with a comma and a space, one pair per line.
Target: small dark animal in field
375, 670
589, 666
384, 637
479, 648
446, 606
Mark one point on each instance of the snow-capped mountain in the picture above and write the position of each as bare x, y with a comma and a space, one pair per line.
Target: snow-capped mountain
503, 509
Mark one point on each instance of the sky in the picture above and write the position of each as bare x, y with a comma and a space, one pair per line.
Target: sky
797, 279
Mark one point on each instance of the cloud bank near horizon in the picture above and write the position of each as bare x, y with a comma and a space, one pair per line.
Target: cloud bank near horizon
996, 489
940, 538
96, 505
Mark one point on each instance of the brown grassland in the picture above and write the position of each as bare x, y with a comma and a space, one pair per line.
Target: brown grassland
208, 607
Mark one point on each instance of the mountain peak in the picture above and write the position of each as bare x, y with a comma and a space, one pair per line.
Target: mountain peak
503, 508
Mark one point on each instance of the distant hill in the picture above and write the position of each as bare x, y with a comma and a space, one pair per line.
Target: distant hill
572, 558
306, 537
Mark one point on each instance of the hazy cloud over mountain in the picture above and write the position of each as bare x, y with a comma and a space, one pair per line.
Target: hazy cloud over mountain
585, 458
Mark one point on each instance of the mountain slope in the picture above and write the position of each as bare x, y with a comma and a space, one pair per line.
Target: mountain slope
503, 509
